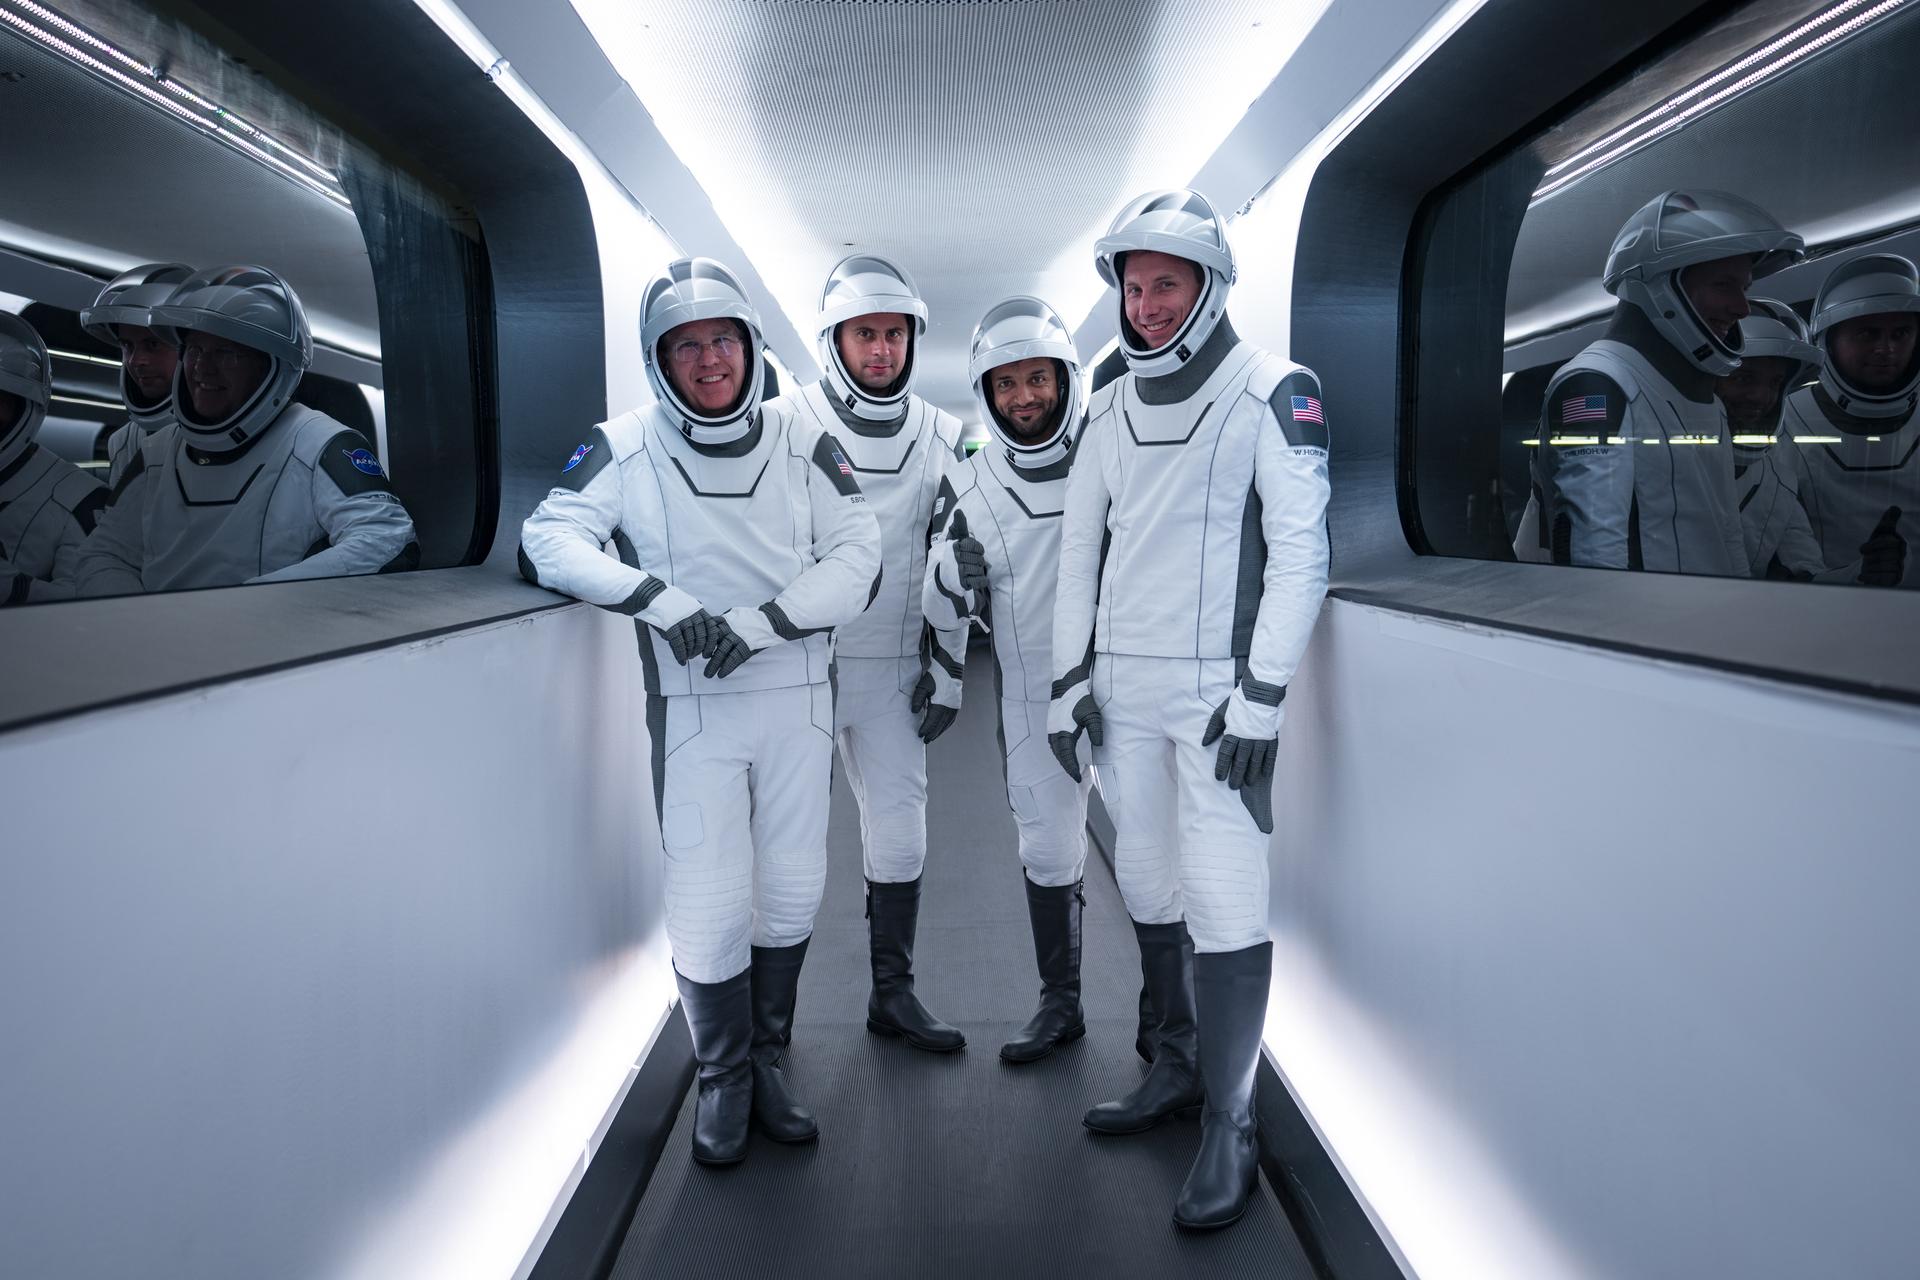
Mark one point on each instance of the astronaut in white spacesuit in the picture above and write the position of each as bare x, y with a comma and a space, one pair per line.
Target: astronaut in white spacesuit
247, 484
743, 540
118, 317
1776, 359
1635, 464
1855, 441
892, 695
1193, 562
995, 559
48, 506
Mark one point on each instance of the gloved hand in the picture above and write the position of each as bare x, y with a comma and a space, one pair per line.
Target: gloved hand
728, 651
693, 635
1073, 711
935, 717
969, 557
1883, 556
1247, 726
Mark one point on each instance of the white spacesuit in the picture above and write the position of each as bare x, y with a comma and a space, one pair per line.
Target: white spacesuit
998, 528
1635, 464
1780, 544
1193, 562
1855, 449
271, 491
48, 506
126, 302
891, 698
741, 534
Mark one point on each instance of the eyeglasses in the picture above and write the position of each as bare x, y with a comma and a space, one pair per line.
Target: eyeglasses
218, 357
726, 346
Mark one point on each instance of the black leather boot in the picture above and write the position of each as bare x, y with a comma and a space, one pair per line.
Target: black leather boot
893, 910
776, 985
1055, 914
720, 1016
1149, 1025
1231, 992
1172, 1083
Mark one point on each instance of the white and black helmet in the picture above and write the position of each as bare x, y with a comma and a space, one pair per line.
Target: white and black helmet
693, 289
1870, 285
1025, 328
255, 308
1185, 225
1672, 232
27, 372
129, 298
1775, 330
864, 284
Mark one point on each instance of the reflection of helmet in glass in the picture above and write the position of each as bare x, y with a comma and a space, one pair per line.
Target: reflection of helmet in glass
1674, 231
1025, 328
1775, 330
129, 298
1870, 285
1183, 224
693, 289
865, 284
25, 371
255, 308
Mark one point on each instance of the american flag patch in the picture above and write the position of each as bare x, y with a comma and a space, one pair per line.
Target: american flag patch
1307, 409
840, 459
1584, 409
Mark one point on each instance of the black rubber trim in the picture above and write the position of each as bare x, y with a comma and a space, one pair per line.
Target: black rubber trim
87, 513
643, 595
1260, 691
181, 484
586, 1241
783, 625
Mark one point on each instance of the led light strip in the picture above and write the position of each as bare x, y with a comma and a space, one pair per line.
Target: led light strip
86, 400
82, 357
1673, 113
123, 69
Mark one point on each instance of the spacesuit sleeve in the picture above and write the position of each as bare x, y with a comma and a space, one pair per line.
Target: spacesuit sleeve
368, 531
945, 644
845, 574
109, 562
82, 520
1587, 476
1290, 477
1083, 532
560, 543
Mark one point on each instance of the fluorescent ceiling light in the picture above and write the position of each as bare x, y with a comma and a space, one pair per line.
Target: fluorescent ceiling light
1822, 31
117, 67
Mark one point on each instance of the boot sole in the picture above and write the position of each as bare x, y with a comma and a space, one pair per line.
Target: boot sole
712, 1163
771, 1136
895, 1033
1184, 1225
1185, 1113
1065, 1037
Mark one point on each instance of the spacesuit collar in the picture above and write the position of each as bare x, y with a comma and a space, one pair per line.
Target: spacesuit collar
1053, 470
740, 448
866, 426
1631, 328
1174, 387
20, 460
1855, 424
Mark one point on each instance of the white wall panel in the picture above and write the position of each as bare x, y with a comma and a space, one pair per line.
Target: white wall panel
1593, 966
334, 971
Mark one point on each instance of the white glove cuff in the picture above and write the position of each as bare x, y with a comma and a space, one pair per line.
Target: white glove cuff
753, 627
946, 690
670, 606
1254, 721
1060, 710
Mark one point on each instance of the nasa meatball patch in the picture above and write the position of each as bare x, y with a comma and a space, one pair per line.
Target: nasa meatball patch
363, 462
575, 460
352, 466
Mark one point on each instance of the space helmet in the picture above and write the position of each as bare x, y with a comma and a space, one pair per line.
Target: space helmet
26, 371
1184, 224
255, 308
1024, 328
129, 298
693, 289
1869, 285
863, 284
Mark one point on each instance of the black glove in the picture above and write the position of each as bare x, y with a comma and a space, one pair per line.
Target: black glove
1883, 556
693, 635
1246, 766
935, 717
969, 557
1065, 744
727, 653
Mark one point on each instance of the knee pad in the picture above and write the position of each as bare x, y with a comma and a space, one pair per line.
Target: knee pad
787, 891
1225, 895
1149, 883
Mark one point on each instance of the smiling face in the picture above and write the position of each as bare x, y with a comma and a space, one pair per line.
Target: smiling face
707, 364
221, 375
148, 359
874, 348
1751, 393
1158, 291
1718, 292
1025, 394
1874, 352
